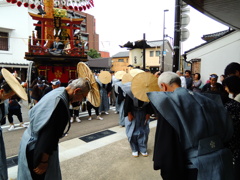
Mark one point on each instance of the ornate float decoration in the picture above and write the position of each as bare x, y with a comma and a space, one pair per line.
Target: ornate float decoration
77, 5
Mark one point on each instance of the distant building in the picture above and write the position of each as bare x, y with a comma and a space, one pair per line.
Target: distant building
120, 61
153, 56
87, 31
213, 56
105, 54
98, 64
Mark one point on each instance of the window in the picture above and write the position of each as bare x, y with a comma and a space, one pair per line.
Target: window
151, 53
3, 41
85, 38
158, 53
83, 29
120, 60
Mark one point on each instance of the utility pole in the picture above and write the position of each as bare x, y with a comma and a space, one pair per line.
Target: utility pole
177, 34
144, 50
163, 52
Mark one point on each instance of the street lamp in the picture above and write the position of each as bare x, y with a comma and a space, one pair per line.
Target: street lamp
162, 68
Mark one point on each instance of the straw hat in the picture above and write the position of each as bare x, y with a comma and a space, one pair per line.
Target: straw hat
126, 78
105, 77
93, 95
14, 84
143, 83
119, 74
134, 72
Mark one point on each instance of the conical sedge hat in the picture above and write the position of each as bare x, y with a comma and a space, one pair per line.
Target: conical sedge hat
126, 78
134, 72
143, 83
93, 95
119, 74
105, 77
14, 84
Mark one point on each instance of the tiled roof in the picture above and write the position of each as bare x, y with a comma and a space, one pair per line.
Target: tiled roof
209, 37
100, 62
208, 42
156, 43
121, 54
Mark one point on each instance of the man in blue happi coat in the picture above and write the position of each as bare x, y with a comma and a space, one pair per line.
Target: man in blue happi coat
191, 132
38, 153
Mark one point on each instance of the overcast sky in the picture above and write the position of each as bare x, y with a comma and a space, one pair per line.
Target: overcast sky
119, 21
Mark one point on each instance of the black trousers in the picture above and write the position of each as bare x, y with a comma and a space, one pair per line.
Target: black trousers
16, 112
90, 107
74, 113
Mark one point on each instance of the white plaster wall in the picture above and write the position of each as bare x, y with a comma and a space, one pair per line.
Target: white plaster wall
216, 55
19, 24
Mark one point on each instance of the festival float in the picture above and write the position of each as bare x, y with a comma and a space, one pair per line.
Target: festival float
54, 21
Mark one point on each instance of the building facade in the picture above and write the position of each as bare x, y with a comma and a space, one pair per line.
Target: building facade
15, 29
120, 61
87, 30
212, 57
153, 56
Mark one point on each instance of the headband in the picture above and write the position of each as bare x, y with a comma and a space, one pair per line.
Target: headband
56, 82
213, 76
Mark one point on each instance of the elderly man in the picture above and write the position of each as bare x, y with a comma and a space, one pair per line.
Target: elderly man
183, 79
9, 87
38, 154
190, 133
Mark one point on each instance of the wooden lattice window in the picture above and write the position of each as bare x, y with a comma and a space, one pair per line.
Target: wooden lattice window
3, 41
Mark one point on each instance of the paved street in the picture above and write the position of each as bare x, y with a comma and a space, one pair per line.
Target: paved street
12, 138
93, 150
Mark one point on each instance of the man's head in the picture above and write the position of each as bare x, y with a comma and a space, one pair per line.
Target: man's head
188, 73
213, 79
41, 84
6, 91
232, 69
57, 38
56, 83
180, 73
78, 89
77, 41
169, 81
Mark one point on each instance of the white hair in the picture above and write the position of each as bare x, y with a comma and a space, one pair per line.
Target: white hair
82, 83
168, 78
179, 72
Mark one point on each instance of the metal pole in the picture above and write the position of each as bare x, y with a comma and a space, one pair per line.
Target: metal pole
177, 34
144, 49
166, 10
